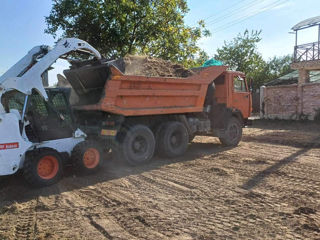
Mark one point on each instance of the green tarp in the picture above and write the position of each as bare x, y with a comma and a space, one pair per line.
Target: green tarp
212, 62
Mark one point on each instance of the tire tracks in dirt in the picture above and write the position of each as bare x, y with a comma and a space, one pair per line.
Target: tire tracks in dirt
26, 224
196, 197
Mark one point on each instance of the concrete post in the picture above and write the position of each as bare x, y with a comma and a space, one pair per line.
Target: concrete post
262, 103
303, 76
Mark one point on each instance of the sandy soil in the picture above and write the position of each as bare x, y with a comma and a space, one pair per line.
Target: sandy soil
266, 188
153, 67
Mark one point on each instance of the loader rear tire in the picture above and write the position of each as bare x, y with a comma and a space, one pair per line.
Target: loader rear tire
173, 140
233, 133
86, 157
42, 167
136, 146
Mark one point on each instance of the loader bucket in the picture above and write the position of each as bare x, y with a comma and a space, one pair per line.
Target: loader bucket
88, 82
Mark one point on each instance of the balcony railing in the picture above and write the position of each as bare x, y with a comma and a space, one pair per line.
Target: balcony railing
307, 52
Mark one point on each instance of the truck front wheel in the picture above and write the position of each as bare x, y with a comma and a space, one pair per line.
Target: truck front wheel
137, 146
233, 133
173, 140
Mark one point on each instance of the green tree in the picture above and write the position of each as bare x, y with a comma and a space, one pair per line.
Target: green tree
120, 27
278, 66
241, 54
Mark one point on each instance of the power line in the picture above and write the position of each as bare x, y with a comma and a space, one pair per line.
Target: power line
250, 15
243, 18
232, 12
225, 10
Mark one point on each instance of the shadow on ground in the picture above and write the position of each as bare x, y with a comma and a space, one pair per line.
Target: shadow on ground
259, 177
285, 139
13, 188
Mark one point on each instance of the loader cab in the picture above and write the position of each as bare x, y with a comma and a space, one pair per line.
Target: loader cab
49, 120
44, 120
233, 91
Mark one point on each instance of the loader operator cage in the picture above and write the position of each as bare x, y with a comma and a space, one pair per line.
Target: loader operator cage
13, 100
48, 120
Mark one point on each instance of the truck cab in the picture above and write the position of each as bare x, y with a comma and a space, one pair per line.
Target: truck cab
231, 89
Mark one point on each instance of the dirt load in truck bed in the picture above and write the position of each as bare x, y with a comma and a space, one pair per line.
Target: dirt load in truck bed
153, 67
88, 80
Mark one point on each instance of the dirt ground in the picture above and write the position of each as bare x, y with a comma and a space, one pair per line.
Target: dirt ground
266, 188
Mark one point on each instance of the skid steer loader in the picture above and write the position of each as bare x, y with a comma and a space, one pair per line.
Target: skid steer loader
37, 130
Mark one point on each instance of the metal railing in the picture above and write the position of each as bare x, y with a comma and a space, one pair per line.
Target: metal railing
307, 52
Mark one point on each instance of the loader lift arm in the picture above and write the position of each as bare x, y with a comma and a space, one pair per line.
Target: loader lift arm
26, 74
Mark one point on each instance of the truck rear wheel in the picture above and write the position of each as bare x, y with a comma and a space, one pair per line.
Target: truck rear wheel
86, 157
137, 146
233, 133
173, 140
42, 167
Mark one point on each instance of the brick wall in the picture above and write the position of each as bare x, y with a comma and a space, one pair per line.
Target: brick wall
290, 101
311, 99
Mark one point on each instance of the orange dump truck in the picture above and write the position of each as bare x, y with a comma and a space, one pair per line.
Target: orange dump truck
138, 116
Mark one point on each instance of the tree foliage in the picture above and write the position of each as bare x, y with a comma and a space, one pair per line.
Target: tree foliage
273, 69
278, 66
120, 27
241, 54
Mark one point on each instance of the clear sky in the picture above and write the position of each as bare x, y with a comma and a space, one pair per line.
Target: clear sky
22, 24
226, 18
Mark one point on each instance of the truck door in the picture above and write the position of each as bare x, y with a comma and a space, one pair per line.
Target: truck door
241, 98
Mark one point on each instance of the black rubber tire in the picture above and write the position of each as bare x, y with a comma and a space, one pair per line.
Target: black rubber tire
30, 172
233, 133
166, 147
77, 157
136, 146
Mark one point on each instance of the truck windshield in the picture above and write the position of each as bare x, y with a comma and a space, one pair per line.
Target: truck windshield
239, 84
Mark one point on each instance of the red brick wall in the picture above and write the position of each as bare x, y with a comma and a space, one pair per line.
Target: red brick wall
291, 101
311, 98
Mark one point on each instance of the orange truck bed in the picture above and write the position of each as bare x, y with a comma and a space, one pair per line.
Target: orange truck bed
140, 95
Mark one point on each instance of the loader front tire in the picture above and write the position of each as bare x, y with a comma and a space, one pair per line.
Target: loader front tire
42, 167
86, 157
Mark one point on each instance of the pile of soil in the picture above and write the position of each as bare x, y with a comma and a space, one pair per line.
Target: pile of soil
153, 67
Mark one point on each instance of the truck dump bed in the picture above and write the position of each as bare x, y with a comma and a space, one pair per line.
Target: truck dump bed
130, 95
